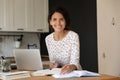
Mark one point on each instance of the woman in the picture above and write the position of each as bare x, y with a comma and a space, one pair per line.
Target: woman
63, 43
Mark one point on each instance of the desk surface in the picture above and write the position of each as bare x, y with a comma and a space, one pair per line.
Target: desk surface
103, 77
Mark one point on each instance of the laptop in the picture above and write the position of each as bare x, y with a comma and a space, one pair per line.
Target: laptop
28, 59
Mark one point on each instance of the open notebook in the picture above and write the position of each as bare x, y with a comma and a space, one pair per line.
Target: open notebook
55, 72
76, 73
28, 59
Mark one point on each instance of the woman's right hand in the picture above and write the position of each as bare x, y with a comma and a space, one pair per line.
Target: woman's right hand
53, 65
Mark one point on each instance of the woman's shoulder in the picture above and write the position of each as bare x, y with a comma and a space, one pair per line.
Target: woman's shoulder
73, 33
48, 37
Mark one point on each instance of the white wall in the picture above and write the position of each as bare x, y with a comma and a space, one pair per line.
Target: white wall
108, 19
7, 43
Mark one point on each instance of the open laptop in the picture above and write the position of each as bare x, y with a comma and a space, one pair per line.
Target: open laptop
28, 59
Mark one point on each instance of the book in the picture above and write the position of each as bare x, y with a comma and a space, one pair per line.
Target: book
46, 72
14, 75
77, 73
55, 72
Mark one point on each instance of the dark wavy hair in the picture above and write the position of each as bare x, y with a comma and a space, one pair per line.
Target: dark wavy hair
64, 12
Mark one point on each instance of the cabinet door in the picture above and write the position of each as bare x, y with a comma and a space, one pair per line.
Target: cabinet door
108, 17
12, 15
1, 15
38, 13
19, 15
6, 15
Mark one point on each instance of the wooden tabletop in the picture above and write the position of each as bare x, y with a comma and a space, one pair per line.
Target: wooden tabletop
102, 77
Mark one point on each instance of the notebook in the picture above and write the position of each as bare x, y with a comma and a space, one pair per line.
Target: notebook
28, 59
55, 72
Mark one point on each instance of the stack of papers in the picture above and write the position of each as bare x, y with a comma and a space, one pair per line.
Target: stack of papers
14, 75
56, 73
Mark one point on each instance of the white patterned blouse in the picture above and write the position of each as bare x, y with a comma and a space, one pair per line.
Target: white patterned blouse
65, 51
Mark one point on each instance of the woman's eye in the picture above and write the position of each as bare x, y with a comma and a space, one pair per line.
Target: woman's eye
62, 19
54, 19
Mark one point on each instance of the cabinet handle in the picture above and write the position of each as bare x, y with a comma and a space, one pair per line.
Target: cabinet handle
39, 29
20, 29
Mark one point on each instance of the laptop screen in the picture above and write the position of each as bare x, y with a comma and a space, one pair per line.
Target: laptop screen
28, 59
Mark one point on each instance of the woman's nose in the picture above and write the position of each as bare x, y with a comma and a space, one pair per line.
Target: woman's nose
58, 22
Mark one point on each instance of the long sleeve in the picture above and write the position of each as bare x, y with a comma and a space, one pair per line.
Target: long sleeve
75, 51
47, 40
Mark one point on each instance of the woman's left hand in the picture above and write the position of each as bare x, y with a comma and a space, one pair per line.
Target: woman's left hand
68, 68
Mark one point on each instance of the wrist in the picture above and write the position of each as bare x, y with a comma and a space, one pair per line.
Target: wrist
74, 67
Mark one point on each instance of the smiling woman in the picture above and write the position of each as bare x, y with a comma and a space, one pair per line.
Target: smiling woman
63, 44
57, 22
83, 22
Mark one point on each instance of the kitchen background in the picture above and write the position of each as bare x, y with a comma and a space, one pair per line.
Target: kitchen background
96, 22
83, 21
8, 42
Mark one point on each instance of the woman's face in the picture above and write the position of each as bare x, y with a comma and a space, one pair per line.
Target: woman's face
58, 22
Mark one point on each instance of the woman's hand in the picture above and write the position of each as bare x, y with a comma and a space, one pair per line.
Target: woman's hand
68, 68
53, 65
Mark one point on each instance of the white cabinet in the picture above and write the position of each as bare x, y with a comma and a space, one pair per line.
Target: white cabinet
38, 13
2, 14
24, 15
20, 15
108, 20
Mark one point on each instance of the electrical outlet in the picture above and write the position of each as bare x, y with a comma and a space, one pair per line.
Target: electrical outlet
119, 75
